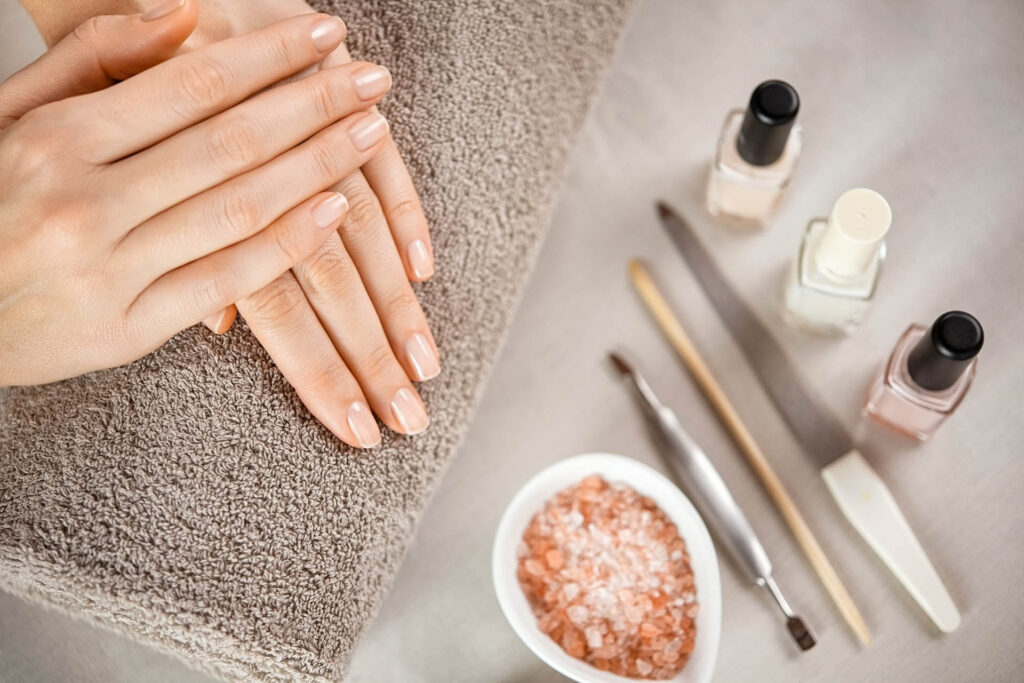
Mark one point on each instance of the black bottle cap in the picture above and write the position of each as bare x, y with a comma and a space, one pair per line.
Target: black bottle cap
942, 355
766, 125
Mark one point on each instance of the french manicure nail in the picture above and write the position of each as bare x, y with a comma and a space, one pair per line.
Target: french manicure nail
409, 412
419, 260
327, 33
368, 131
362, 424
329, 210
163, 9
422, 358
371, 82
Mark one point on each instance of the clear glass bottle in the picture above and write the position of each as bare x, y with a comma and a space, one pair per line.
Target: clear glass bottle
835, 275
927, 375
756, 155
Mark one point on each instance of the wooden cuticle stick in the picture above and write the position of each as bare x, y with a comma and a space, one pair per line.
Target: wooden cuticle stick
680, 341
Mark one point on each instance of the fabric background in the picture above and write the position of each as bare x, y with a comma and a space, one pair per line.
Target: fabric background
188, 499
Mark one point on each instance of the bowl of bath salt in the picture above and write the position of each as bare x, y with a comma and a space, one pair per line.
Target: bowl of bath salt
606, 571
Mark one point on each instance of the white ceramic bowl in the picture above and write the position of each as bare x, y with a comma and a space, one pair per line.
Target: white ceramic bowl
649, 482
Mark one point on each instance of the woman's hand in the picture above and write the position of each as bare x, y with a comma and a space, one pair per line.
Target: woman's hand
349, 309
92, 272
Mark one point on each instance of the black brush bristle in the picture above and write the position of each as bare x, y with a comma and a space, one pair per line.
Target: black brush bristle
800, 633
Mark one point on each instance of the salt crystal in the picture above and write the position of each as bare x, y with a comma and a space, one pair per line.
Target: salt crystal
571, 590
578, 614
643, 667
594, 639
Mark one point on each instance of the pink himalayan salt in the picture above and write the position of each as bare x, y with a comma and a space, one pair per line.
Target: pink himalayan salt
609, 580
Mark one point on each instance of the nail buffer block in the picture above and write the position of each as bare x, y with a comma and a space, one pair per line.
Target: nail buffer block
860, 493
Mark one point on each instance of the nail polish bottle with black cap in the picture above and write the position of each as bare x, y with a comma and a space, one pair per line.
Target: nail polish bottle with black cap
757, 154
927, 376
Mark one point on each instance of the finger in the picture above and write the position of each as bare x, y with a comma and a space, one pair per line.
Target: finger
187, 295
253, 133
334, 287
287, 328
390, 181
99, 52
221, 321
367, 239
182, 91
241, 207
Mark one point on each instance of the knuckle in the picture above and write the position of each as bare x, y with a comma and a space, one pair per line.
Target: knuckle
238, 214
363, 212
235, 144
279, 302
327, 163
326, 100
288, 241
326, 377
32, 143
404, 207
379, 361
399, 304
203, 84
64, 230
326, 273
88, 32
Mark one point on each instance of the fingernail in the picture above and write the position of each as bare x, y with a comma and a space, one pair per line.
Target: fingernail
327, 33
409, 412
163, 9
368, 131
422, 358
362, 424
419, 260
371, 82
329, 210
219, 322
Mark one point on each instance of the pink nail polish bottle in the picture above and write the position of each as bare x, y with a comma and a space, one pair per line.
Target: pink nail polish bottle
927, 375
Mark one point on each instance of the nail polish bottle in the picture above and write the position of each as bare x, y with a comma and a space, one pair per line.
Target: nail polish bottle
927, 375
756, 156
836, 272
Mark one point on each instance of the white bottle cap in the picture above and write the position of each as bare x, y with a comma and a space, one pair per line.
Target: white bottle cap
856, 228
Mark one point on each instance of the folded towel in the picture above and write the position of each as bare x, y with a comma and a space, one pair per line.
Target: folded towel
189, 500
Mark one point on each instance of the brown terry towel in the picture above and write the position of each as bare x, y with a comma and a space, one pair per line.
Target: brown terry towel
189, 500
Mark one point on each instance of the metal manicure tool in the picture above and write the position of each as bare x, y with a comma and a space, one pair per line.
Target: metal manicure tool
689, 462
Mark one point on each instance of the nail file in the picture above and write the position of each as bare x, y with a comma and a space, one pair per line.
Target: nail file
860, 493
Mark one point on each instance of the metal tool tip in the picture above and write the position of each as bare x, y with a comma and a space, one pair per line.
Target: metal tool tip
800, 633
620, 363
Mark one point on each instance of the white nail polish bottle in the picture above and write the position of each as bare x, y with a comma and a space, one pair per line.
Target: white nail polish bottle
836, 272
756, 155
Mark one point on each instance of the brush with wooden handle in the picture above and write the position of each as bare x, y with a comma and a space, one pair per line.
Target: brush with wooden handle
672, 329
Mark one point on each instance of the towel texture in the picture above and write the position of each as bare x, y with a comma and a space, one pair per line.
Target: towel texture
188, 499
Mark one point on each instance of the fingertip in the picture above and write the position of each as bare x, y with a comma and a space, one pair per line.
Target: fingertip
419, 260
221, 322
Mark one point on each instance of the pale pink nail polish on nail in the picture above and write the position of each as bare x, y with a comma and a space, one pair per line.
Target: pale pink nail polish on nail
329, 210
368, 131
419, 260
371, 82
162, 10
362, 424
409, 412
327, 33
422, 358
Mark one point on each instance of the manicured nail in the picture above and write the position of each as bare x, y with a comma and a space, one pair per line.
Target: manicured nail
163, 9
422, 358
219, 323
409, 412
362, 424
368, 131
419, 260
371, 82
327, 33
329, 210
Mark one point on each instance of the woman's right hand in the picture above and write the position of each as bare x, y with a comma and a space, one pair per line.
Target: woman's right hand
131, 213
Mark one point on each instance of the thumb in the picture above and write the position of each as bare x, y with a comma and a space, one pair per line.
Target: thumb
98, 53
